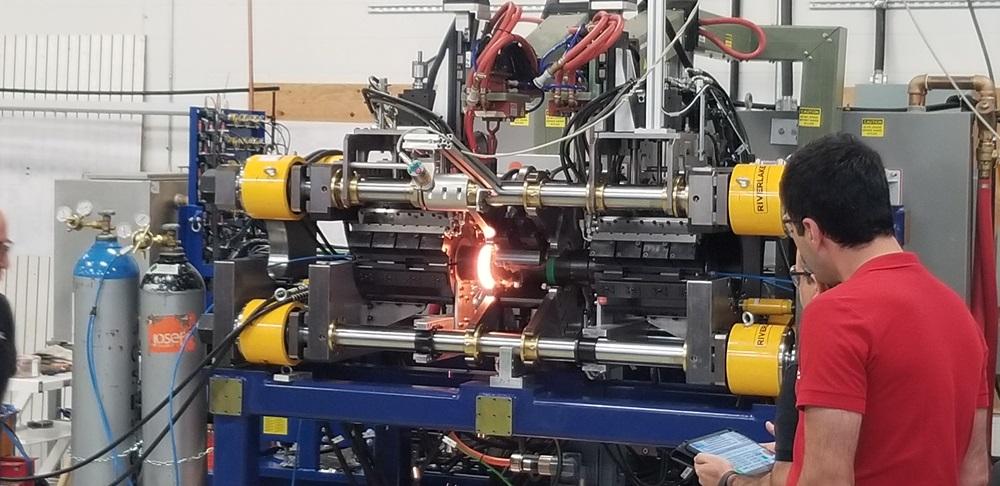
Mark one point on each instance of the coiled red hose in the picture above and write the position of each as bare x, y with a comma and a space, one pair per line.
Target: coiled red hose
739, 55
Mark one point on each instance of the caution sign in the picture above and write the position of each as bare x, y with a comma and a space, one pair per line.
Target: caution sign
873, 127
521, 122
555, 121
167, 333
728, 40
275, 425
810, 117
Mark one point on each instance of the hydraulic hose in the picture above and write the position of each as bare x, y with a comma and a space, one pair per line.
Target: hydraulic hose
742, 56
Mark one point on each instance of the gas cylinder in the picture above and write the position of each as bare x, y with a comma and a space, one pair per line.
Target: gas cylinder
105, 307
171, 300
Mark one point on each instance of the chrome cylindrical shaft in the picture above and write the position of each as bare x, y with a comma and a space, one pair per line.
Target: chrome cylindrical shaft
663, 353
375, 191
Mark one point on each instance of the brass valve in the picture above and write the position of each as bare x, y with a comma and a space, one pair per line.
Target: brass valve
143, 239
76, 220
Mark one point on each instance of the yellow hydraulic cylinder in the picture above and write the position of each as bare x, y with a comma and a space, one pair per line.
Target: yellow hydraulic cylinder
264, 191
755, 356
264, 340
754, 203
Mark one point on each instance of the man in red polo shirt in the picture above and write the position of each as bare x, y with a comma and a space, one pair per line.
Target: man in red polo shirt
892, 384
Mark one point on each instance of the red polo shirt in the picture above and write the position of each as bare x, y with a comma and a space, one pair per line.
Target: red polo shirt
896, 345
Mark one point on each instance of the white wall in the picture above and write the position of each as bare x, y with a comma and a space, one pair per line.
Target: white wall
196, 44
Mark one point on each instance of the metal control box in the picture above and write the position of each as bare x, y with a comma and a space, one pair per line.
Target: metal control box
128, 195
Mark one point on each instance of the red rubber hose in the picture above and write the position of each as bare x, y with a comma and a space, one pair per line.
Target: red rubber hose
984, 288
469, 451
742, 56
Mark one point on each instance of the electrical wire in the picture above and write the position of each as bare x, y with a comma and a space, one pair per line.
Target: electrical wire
947, 74
92, 361
14, 439
559, 465
170, 394
607, 113
480, 456
982, 42
496, 473
261, 89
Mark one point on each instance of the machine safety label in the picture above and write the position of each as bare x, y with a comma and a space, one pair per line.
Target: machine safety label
166, 333
555, 121
873, 127
523, 121
810, 117
275, 425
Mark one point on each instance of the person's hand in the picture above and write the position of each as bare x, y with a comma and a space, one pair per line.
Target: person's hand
770, 429
710, 468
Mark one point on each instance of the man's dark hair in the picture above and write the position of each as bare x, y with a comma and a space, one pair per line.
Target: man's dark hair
840, 183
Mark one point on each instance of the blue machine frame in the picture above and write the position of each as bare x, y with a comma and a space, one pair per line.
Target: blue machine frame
392, 402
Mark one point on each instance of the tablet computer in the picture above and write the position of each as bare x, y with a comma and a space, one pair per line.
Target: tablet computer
746, 455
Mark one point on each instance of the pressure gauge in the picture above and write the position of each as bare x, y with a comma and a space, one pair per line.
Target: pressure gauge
124, 231
142, 220
64, 214
84, 208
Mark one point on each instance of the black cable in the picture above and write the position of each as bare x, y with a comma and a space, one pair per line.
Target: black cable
345, 466
559, 460
982, 43
224, 345
361, 452
442, 53
262, 89
682, 55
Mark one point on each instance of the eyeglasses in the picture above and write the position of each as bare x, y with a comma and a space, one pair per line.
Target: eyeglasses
798, 275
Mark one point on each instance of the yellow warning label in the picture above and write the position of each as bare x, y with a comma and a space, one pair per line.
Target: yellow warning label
729, 40
810, 117
275, 425
555, 121
873, 127
521, 122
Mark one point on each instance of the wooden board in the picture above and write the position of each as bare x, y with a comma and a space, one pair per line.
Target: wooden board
318, 102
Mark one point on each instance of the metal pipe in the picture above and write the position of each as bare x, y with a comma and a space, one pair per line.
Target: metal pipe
736, 10
879, 75
518, 258
786, 66
363, 337
919, 86
663, 353
250, 54
550, 194
637, 197
371, 191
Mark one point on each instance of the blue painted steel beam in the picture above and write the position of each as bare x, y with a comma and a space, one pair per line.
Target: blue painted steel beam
594, 414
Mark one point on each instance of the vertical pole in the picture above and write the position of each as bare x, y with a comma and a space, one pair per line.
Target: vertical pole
786, 66
656, 15
250, 53
237, 440
736, 10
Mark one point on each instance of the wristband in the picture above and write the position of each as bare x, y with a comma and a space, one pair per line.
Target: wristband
724, 480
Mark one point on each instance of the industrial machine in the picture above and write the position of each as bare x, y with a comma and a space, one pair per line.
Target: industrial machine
495, 320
